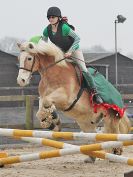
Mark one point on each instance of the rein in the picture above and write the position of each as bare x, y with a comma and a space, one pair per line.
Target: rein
45, 69
53, 64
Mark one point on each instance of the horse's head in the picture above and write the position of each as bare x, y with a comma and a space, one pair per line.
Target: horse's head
30, 56
27, 63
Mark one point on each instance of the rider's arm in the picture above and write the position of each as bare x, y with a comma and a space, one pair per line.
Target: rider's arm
76, 38
67, 31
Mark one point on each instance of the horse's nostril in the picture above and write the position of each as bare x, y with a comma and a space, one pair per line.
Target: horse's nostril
23, 80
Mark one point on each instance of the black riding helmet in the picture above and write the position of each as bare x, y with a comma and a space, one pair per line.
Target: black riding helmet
54, 11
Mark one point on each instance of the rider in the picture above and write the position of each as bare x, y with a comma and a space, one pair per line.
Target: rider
62, 35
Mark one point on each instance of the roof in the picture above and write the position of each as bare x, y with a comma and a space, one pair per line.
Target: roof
5, 53
96, 56
90, 57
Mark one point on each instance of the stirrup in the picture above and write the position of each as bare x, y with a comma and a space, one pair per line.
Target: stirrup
97, 99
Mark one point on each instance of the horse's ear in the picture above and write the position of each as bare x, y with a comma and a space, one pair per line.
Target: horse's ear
18, 44
31, 46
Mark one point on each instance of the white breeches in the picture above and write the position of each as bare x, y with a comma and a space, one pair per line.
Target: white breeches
79, 58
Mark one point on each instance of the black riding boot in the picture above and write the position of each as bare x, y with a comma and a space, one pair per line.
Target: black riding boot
96, 98
91, 85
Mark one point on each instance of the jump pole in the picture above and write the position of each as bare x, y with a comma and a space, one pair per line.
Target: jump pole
62, 145
69, 151
66, 135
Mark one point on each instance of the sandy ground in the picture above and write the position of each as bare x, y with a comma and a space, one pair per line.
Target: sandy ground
65, 166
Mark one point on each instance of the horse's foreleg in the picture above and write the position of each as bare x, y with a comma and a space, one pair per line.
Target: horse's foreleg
57, 97
47, 113
48, 117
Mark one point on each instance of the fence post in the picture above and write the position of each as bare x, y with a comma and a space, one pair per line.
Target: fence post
29, 111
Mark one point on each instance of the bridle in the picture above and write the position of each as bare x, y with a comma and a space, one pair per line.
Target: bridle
44, 69
31, 69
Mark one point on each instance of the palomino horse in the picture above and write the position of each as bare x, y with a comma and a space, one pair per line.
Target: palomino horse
58, 89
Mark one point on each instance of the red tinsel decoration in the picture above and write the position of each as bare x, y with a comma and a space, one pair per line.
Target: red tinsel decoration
107, 106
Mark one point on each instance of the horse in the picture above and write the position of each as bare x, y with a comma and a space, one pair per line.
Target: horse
58, 88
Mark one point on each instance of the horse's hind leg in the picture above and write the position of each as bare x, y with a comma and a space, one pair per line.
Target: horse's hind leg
112, 125
87, 126
125, 124
124, 127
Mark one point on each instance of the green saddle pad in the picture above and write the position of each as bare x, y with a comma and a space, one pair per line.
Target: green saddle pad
105, 89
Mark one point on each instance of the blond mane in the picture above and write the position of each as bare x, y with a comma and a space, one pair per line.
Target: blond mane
44, 48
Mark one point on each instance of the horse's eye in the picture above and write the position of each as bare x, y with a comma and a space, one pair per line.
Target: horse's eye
29, 58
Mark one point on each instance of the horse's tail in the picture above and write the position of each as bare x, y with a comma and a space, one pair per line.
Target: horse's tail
125, 124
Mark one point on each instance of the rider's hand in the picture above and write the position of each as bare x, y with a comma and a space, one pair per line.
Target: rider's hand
68, 55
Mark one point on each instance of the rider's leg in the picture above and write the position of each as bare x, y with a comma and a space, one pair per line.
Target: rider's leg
90, 82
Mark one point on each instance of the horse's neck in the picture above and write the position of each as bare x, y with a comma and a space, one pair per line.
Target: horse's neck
58, 75
46, 62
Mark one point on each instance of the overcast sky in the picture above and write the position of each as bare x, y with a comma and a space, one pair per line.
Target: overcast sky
93, 20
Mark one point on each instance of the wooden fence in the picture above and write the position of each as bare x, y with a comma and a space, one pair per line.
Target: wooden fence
29, 103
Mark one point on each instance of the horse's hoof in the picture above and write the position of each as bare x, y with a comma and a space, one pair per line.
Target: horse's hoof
43, 125
1, 165
117, 151
40, 115
90, 160
57, 128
